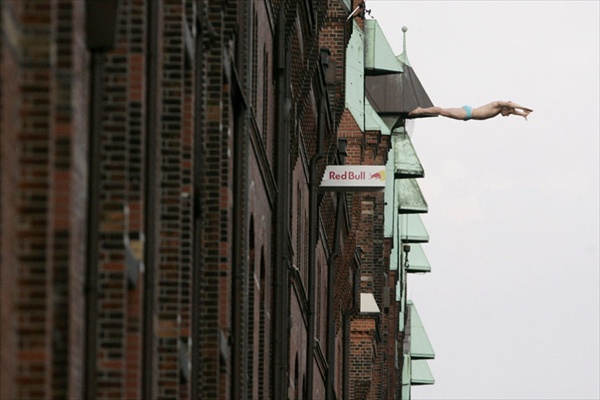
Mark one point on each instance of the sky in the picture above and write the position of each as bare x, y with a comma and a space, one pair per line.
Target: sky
512, 303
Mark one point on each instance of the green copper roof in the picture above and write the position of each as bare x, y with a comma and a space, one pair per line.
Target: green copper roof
355, 76
403, 58
417, 260
372, 120
420, 373
412, 229
420, 346
392, 121
410, 198
379, 56
394, 94
407, 164
390, 208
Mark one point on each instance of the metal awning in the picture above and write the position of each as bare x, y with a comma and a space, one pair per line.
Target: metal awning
373, 122
420, 373
412, 229
406, 161
410, 197
420, 346
379, 56
396, 94
417, 260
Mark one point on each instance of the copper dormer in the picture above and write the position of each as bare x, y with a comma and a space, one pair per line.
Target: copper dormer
396, 94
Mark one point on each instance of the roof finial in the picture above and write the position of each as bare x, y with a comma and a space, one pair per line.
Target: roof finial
403, 58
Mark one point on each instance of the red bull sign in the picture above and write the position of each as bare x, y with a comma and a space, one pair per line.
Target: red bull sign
354, 178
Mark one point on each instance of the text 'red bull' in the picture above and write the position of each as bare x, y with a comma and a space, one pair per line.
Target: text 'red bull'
349, 175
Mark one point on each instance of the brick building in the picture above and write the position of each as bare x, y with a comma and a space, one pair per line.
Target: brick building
163, 229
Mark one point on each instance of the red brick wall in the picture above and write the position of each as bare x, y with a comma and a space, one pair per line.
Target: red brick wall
44, 184
363, 357
43, 198
27, 169
216, 198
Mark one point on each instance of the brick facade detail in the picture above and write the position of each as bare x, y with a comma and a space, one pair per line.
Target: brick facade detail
162, 230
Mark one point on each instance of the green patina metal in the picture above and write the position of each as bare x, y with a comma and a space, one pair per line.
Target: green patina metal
418, 262
390, 208
406, 372
406, 161
373, 121
379, 56
420, 346
410, 197
412, 230
355, 76
420, 373
409, 229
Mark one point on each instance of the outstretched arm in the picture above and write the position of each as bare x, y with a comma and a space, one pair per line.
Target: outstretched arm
505, 108
510, 104
454, 113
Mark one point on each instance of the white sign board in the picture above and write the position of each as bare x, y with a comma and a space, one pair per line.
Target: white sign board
354, 178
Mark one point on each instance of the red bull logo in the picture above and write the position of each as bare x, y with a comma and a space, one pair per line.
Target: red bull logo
351, 175
347, 175
354, 177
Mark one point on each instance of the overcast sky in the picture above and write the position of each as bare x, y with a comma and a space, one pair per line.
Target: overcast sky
512, 303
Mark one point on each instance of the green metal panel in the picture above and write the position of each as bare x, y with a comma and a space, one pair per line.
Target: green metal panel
411, 229
410, 197
395, 255
401, 299
390, 209
372, 120
401, 321
379, 55
406, 378
417, 260
407, 164
420, 346
392, 121
406, 392
355, 76
420, 373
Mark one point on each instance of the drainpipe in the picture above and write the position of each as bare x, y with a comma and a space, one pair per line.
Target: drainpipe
313, 232
331, 290
282, 257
